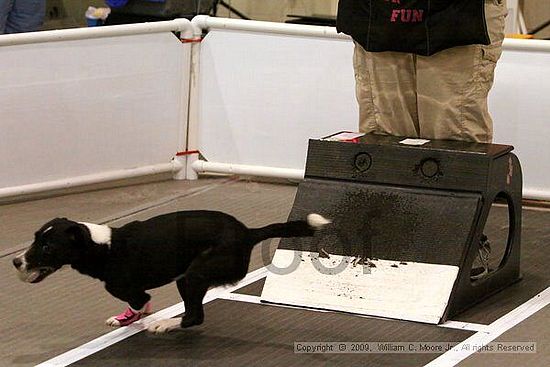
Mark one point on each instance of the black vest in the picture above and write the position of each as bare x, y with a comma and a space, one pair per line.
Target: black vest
423, 27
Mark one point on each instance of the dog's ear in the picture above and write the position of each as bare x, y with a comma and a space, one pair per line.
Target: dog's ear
77, 233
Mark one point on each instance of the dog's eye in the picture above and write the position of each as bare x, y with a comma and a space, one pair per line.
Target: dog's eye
46, 249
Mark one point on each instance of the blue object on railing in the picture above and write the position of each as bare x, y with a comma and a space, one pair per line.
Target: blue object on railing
121, 3
116, 3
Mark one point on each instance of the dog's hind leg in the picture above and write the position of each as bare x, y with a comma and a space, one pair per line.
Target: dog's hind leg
192, 289
206, 270
192, 293
211, 268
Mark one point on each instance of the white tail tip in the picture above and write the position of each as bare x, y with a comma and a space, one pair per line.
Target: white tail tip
317, 220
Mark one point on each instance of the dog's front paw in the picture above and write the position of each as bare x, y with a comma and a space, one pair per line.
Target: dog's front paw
128, 317
112, 321
164, 326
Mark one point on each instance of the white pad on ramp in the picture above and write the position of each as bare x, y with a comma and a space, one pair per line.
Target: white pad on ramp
384, 288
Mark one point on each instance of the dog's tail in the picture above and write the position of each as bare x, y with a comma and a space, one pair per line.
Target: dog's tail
297, 228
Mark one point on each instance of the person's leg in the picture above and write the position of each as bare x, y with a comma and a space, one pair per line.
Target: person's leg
5, 8
386, 92
453, 85
26, 16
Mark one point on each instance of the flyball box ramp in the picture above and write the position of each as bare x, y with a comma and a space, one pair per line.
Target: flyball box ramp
407, 218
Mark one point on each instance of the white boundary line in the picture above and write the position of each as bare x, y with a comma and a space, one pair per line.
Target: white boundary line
497, 328
460, 325
122, 333
449, 324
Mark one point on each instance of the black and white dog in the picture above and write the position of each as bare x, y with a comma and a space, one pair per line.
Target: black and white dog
197, 249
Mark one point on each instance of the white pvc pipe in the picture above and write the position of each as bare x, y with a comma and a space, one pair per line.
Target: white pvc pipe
201, 166
176, 25
534, 194
531, 45
173, 167
207, 23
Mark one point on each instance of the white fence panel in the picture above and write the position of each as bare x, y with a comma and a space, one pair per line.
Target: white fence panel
263, 95
520, 106
76, 108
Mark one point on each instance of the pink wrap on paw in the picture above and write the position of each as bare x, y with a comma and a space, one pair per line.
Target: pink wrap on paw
130, 316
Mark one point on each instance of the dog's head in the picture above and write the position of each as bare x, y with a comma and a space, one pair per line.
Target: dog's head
59, 242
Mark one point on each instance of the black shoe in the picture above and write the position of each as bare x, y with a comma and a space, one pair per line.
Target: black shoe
480, 267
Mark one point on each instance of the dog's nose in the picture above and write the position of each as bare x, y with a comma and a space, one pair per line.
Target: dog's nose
17, 262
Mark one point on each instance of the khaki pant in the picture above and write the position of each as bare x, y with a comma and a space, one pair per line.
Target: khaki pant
443, 96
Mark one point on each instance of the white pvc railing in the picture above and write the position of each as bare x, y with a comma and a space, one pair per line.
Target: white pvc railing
177, 25
205, 22
201, 166
173, 167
